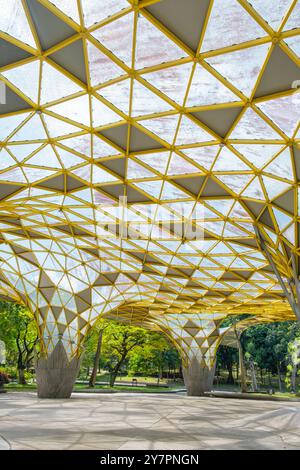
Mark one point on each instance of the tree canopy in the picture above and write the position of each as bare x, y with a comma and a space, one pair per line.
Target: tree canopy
18, 331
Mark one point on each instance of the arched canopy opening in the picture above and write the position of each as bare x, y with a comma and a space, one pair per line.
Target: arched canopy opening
149, 155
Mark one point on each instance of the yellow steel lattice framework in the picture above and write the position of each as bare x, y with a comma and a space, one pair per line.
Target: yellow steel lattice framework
171, 104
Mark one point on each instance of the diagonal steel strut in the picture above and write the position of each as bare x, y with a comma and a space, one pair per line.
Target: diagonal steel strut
295, 305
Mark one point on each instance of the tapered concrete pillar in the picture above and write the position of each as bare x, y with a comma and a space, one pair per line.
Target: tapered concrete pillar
197, 338
55, 374
198, 377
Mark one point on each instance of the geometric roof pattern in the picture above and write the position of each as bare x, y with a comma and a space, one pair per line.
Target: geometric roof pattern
168, 106
197, 337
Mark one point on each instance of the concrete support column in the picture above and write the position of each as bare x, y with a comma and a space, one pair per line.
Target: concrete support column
56, 374
198, 377
197, 337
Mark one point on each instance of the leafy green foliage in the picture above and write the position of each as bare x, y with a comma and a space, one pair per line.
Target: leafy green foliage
18, 331
226, 358
131, 349
119, 340
156, 355
268, 345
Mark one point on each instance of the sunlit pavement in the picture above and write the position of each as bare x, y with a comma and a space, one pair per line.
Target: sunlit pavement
124, 421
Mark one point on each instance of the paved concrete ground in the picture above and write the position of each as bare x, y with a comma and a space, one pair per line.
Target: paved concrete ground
157, 422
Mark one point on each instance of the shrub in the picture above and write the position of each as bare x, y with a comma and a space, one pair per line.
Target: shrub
4, 378
29, 376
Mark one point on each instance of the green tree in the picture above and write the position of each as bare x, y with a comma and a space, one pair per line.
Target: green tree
155, 356
19, 333
99, 332
232, 321
227, 357
268, 346
119, 340
293, 364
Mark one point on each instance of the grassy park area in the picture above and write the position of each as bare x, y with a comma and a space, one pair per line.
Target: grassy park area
124, 358
126, 384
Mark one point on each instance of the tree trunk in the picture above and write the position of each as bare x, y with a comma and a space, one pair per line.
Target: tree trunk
93, 376
261, 377
112, 378
159, 376
241, 363
230, 379
114, 372
270, 382
279, 377
21, 376
243, 371
20, 363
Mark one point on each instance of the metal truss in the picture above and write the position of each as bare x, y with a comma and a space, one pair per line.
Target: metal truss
172, 105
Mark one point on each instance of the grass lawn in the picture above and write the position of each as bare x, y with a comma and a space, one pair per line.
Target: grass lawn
149, 389
124, 388
106, 388
104, 377
236, 388
19, 388
146, 385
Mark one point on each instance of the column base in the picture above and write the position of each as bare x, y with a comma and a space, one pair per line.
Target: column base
56, 375
198, 378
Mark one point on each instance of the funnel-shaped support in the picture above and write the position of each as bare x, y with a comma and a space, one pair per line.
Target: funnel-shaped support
55, 374
198, 377
197, 338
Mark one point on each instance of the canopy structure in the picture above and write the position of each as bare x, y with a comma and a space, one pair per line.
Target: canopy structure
149, 160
